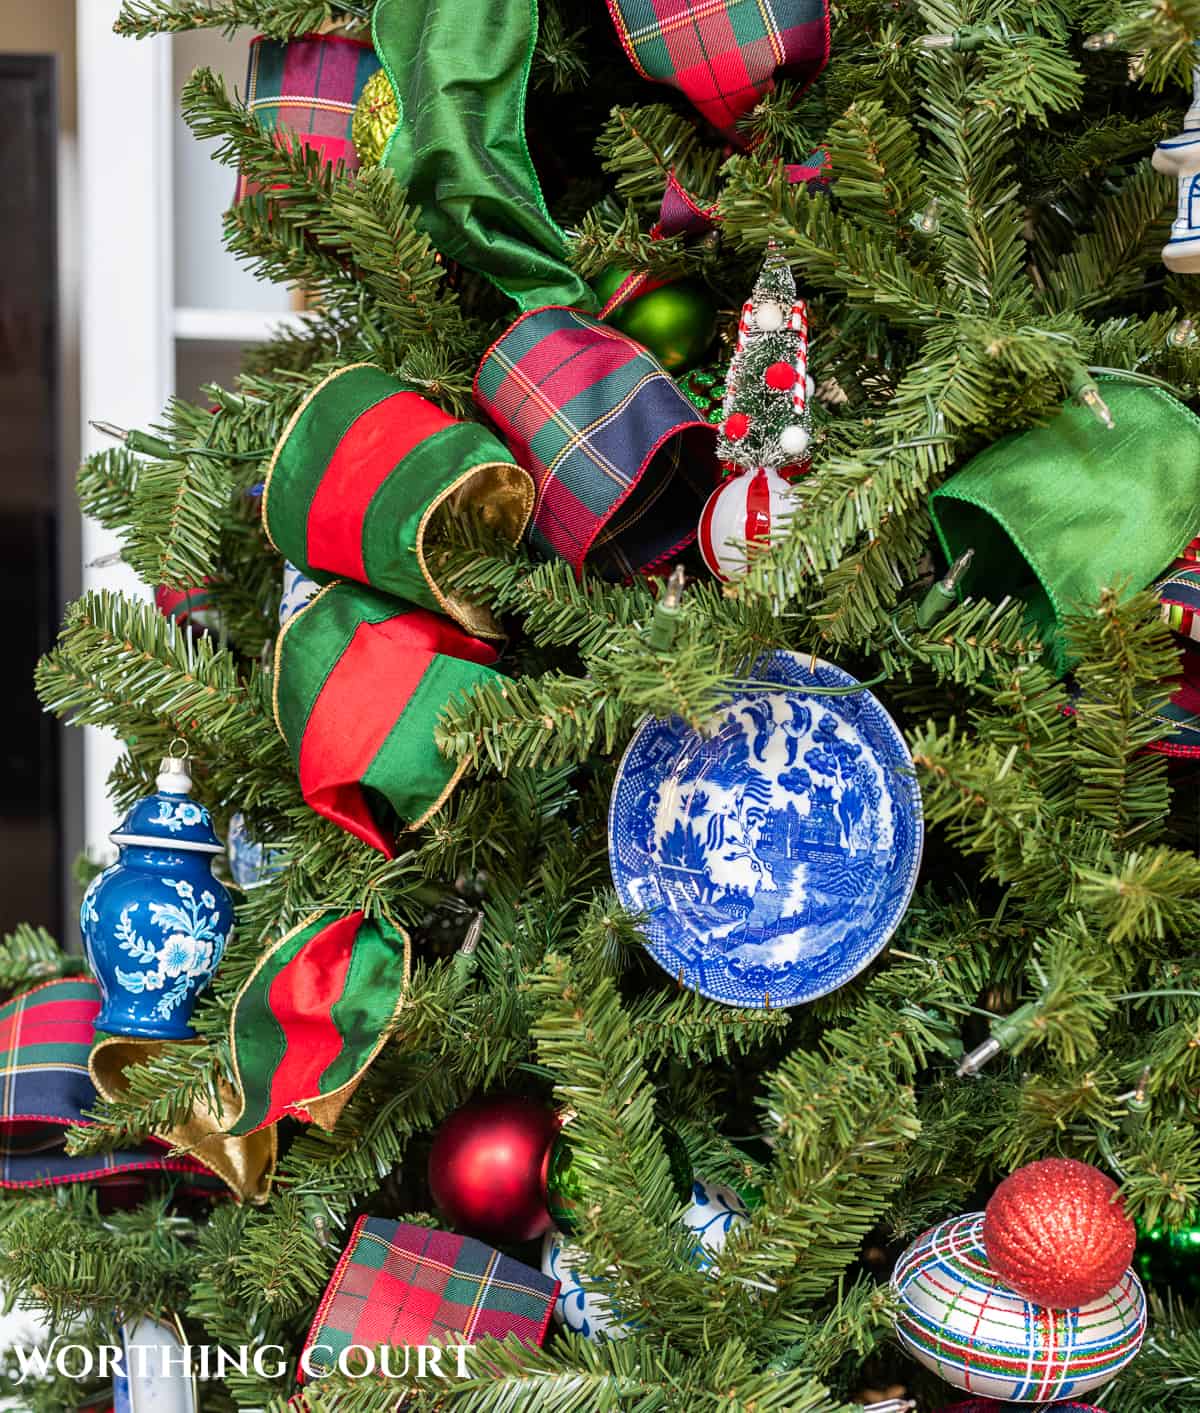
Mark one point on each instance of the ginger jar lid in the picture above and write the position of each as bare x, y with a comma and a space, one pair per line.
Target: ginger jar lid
169, 819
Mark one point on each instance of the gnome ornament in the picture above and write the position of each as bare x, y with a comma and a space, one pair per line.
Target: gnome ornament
766, 428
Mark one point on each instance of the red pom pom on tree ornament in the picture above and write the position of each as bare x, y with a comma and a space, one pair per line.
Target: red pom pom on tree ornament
737, 424
1056, 1232
780, 376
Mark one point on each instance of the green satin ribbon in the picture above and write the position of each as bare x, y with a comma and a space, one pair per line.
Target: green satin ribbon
1059, 512
460, 69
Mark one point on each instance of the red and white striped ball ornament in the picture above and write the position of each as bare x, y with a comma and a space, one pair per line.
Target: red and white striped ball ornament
746, 509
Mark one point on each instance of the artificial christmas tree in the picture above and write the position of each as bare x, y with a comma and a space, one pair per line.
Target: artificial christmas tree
984, 253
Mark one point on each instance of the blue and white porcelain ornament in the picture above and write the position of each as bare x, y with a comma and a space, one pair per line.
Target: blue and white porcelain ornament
155, 1373
713, 1212
156, 922
1179, 157
580, 1310
251, 864
958, 1318
298, 588
774, 852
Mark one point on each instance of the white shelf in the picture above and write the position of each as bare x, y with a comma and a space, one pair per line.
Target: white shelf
232, 325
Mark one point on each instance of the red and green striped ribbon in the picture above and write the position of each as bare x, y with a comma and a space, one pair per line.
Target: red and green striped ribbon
361, 680
360, 472
315, 1012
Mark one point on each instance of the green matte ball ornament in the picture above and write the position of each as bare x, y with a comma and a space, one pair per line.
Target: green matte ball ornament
566, 1192
676, 322
375, 116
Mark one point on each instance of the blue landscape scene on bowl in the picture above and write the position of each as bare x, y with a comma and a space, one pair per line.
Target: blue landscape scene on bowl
774, 855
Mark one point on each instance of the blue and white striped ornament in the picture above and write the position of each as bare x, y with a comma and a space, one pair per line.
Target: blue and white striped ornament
958, 1318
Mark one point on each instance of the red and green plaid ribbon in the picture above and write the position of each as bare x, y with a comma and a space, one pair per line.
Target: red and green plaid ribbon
46, 1036
360, 682
400, 1285
315, 1012
361, 472
723, 54
307, 88
621, 462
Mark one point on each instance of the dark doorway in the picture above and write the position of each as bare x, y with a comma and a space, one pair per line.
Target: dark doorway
30, 831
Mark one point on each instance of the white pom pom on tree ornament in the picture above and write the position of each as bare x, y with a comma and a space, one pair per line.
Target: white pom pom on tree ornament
794, 441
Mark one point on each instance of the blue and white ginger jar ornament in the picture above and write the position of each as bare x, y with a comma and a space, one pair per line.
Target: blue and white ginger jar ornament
156, 922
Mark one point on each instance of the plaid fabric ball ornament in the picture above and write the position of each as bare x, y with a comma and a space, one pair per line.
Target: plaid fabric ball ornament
960, 1320
305, 90
989, 1405
621, 462
398, 1285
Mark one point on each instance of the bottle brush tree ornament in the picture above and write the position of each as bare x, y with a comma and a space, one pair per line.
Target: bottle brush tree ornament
766, 423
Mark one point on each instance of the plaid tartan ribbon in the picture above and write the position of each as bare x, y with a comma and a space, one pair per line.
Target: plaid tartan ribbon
621, 462
363, 473
360, 681
316, 1010
399, 1285
723, 54
307, 87
46, 1036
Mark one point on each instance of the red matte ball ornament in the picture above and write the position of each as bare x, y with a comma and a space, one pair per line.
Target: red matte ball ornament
737, 424
487, 1168
780, 376
1056, 1232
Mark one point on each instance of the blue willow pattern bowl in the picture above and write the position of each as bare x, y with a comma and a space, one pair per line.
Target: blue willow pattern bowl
774, 854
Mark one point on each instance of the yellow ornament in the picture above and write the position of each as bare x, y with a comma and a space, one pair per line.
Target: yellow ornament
375, 116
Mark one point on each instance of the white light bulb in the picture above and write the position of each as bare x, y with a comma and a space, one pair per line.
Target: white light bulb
810, 388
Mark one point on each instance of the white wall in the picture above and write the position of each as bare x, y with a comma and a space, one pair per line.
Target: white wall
126, 351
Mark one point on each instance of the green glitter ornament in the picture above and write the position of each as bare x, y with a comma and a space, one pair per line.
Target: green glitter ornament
704, 388
375, 116
566, 1188
676, 322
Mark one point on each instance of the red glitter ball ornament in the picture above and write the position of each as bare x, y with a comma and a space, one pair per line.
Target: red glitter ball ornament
1057, 1234
780, 376
737, 424
487, 1168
